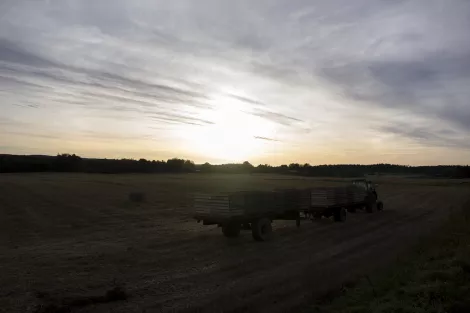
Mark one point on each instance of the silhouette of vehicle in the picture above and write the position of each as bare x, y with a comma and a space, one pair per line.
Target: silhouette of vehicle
255, 210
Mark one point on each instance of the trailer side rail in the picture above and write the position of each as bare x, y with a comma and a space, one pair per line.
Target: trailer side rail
215, 206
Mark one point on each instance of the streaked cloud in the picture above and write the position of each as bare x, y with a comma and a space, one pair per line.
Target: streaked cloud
276, 117
265, 138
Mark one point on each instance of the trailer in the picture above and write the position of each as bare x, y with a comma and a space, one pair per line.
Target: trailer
255, 210
251, 210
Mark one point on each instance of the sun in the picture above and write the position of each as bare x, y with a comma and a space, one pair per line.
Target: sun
232, 137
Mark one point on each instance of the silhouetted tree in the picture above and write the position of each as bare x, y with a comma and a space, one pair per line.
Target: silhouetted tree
68, 163
175, 165
189, 166
247, 167
206, 167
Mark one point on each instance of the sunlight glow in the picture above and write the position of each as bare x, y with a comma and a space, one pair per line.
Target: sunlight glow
232, 137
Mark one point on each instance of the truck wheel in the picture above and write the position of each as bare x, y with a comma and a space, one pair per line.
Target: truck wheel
231, 230
371, 207
261, 229
352, 209
380, 206
340, 215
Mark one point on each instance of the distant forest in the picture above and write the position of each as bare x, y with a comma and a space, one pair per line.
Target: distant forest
74, 163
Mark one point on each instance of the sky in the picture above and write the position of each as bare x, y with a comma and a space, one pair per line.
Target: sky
268, 81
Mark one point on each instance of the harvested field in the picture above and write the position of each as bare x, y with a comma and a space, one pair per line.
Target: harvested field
74, 235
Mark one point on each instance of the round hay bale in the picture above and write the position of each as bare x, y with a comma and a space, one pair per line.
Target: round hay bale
137, 197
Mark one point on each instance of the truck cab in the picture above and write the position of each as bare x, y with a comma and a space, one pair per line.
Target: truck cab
367, 185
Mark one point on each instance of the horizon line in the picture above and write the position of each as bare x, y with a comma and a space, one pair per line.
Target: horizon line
241, 162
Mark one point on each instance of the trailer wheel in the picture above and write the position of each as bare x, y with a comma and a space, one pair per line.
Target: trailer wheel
318, 216
340, 215
261, 229
231, 230
380, 206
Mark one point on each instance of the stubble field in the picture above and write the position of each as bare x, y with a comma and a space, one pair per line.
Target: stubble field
74, 236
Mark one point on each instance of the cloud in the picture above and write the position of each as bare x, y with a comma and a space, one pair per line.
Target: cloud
180, 119
428, 135
12, 52
97, 89
276, 117
265, 138
248, 100
425, 86
32, 135
6, 120
157, 88
333, 66
112, 136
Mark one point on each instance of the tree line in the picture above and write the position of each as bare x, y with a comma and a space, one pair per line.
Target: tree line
74, 163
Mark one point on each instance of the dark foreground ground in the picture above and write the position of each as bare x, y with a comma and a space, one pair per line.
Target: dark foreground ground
67, 239
433, 278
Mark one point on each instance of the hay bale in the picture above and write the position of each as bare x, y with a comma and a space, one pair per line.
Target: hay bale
137, 197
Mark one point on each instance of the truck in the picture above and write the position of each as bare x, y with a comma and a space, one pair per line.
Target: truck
256, 210
361, 194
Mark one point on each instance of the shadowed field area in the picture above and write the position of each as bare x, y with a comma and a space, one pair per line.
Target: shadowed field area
433, 278
75, 236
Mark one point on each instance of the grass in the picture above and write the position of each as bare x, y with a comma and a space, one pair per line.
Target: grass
64, 237
435, 278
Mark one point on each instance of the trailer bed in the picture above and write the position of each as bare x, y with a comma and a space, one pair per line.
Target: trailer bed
237, 205
272, 203
256, 210
326, 197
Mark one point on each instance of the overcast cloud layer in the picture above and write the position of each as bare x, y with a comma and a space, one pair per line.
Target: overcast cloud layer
272, 81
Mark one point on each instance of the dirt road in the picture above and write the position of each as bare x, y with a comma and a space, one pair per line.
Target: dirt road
170, 263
